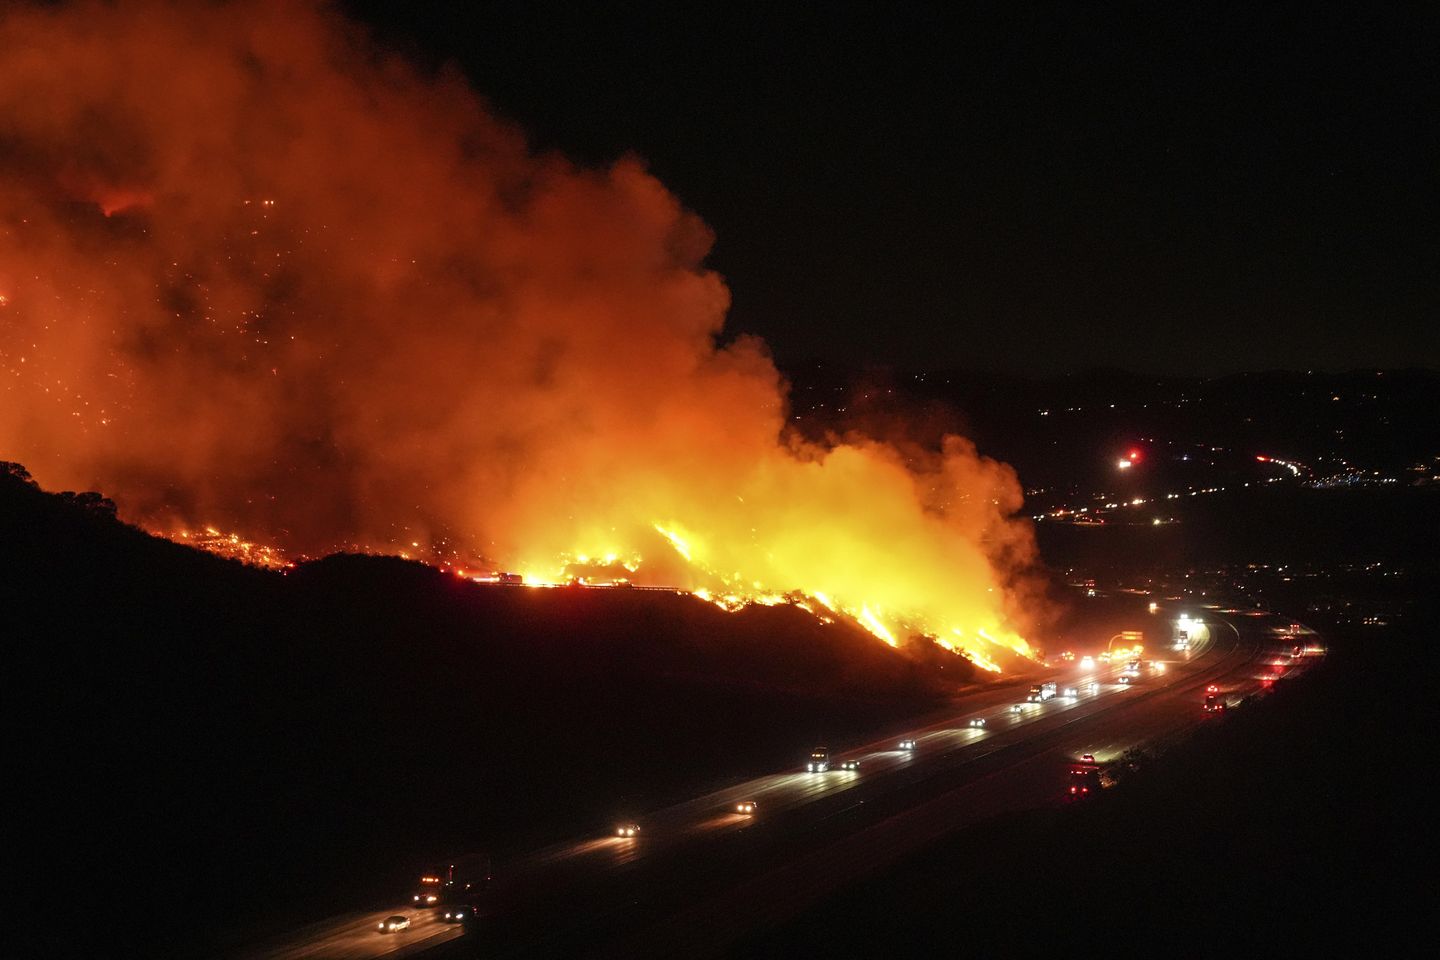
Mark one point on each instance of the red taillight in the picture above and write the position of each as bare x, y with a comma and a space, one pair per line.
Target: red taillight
1072, 789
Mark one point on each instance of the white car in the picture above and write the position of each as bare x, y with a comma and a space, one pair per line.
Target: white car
907, 744
392, 924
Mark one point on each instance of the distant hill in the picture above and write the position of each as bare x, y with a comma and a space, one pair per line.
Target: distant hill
197, 736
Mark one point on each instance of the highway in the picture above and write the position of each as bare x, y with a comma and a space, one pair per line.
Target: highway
358, 935
701, 876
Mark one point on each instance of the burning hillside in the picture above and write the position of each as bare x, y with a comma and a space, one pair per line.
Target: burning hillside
256, 273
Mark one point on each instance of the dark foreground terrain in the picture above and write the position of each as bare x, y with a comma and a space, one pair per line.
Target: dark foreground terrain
1294, 823
205, 751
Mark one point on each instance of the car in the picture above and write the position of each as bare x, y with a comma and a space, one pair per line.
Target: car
747, 807
392, 924
1126, 679
426, 898
1087, 663
1214, 703
459, 913
1017, 708
907, 744
977, 722
627, 829
849, 764
1071, 692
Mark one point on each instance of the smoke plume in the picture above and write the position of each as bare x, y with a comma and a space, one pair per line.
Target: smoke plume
255, 272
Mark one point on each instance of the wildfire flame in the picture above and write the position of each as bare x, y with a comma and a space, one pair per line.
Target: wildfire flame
233, 546
259, 274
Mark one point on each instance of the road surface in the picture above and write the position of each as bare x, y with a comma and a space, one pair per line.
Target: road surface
701, 876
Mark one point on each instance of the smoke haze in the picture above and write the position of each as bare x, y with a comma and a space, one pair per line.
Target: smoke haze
258, 273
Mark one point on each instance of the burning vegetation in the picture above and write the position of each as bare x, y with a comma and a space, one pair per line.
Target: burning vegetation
257, 273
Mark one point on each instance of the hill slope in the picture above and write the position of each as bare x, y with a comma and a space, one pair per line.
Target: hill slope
207, 736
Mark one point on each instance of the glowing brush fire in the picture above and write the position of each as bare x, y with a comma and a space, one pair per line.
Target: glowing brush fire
254, 268
231, 545
623, 572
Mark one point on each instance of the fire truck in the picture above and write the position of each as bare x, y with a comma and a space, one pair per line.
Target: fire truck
1083, 779
461, 881
1214, 700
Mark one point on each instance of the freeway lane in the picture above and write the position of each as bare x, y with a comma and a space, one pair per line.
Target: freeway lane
698, 866
358, 935
711, 925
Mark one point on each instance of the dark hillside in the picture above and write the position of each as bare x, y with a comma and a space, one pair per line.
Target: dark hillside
197, 735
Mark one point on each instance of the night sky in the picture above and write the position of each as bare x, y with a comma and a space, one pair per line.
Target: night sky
1158, 188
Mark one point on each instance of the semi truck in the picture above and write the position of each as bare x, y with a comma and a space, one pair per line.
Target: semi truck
1041, 692
820, 762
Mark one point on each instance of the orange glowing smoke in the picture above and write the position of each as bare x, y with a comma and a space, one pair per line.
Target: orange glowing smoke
261, 275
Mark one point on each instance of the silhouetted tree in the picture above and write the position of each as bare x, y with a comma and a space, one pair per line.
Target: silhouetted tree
15, 471
95, 504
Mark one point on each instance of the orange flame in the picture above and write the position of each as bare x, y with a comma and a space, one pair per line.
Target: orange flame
349, 308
